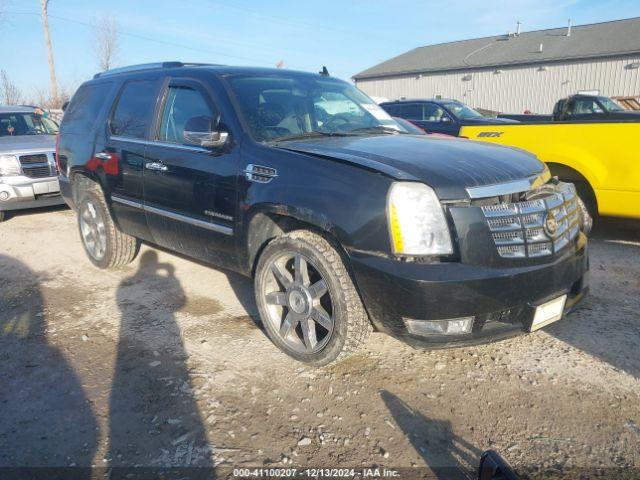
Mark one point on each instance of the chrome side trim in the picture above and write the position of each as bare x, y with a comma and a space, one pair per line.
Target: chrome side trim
176, 146
124, 201
128, 140
506, 188
191, 221
215, 227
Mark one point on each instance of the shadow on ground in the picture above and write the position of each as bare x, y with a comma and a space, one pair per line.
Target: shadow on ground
154, 419
45, 417
449, 456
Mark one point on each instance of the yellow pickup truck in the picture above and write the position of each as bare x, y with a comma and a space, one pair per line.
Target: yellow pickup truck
601, 159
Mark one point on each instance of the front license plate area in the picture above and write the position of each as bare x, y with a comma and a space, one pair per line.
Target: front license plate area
548, 312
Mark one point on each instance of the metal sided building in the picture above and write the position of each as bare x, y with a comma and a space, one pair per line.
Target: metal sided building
516, 72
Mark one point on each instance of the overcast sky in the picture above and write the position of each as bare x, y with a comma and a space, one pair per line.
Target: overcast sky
346, 36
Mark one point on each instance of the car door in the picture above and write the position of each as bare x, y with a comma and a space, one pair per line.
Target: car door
190, 190
439, 120
122, 154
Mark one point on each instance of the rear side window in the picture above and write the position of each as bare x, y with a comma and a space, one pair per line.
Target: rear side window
412, 111
393, 110
84, 108
133, 112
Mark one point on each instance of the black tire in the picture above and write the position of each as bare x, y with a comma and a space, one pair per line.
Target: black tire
119, 248
588, 205
350, 323
586, 218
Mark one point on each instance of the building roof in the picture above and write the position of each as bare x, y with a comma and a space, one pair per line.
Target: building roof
619, 37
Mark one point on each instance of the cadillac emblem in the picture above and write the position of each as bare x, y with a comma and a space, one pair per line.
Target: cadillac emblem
550, 225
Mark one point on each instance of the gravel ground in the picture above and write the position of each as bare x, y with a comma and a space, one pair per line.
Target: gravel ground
162, 363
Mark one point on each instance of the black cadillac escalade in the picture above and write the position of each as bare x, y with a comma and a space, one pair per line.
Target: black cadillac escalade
345, 221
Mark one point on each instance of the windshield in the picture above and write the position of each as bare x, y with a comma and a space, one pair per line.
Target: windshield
15, 124
282, 106
461, 110
609, 105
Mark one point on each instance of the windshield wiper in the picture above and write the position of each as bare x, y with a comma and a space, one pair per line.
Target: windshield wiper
378, 129
313, 134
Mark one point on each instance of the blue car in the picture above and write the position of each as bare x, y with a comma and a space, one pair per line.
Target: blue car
439, 115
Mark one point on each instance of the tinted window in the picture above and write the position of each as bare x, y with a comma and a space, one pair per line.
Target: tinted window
392, 109
135, 106
586, 106
412, 111
182, 104
82, 112
433, 112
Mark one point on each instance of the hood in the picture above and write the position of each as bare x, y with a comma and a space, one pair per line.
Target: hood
22, 143
486, 121
449, 166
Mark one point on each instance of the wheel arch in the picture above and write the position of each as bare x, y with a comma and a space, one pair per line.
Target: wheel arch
584, 186
272, 221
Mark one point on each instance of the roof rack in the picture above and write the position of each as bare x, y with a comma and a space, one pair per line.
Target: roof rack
149, 66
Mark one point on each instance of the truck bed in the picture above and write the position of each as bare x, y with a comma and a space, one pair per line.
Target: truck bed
602, 156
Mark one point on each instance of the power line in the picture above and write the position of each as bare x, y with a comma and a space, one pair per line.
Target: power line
150, 39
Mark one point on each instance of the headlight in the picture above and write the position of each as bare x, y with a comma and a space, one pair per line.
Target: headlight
416, 221
9, 165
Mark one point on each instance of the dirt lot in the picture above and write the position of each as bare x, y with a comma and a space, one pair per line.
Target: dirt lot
163, 364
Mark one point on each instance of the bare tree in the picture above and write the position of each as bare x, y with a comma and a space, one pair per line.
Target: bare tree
10, 94
107, 42
53, 84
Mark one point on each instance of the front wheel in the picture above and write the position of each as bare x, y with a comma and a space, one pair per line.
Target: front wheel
307, 301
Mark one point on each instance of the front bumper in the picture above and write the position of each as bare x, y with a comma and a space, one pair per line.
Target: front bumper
19, 192
501, 300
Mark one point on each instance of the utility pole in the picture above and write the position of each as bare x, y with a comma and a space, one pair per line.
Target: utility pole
47, 40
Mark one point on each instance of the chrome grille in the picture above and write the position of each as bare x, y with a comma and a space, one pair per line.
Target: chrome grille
535, 228
39, 165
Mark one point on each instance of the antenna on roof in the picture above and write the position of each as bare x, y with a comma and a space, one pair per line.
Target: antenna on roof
518, 24
569, 28
324, 72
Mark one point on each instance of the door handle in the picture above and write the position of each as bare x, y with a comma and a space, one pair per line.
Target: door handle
156, 166
103, 156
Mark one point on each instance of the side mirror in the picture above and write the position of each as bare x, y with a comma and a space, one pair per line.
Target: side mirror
201, 131
494, 467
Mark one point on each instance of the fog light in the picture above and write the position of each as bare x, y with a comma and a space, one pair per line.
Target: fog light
451, 326
4, 196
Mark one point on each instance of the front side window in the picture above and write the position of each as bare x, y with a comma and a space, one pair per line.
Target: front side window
288, 105
433, 112
135, 106
586, 107
183, 107
26, 123
461, 110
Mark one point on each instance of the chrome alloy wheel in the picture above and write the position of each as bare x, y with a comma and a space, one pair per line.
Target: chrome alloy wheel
298, 301
92, 227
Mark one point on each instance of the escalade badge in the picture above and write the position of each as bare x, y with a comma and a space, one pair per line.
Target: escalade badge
550, 225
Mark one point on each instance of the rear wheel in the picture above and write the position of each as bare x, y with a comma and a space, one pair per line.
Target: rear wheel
307, 301
105, 245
